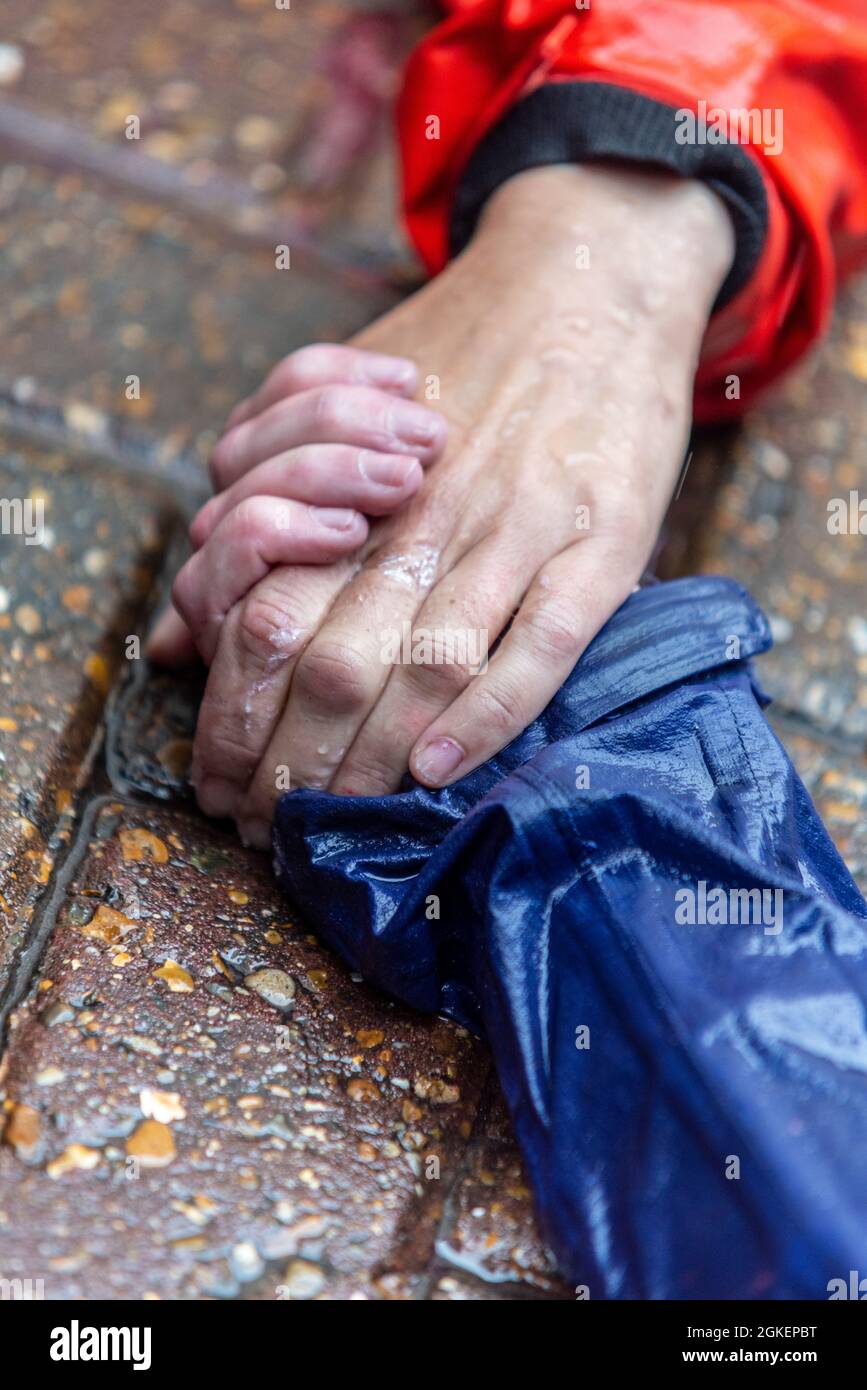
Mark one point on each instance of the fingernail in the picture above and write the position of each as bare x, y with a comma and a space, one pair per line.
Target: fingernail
438, 759
389, 371
389, 470
255, 834
415, 424
335, 518
216, 796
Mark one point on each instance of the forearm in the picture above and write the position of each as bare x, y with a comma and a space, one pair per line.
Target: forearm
621, 243
595, 285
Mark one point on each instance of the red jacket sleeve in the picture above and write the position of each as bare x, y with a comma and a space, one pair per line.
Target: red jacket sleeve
806, 59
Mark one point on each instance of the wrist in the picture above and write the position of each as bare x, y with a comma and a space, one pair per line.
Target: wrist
657, 245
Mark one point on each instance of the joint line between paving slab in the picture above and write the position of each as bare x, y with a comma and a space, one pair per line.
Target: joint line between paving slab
125, 694
795, 722
182, 476
28, 957
27, 137
451, 1200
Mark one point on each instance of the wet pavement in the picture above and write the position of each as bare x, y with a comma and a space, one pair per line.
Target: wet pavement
198, 1100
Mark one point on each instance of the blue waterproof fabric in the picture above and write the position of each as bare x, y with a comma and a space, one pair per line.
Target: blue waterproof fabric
711, 1046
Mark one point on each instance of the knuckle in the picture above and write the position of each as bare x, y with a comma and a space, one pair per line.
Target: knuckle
367, 774
330, 407
498, 707
224, 748
555, 631
221, 747
441, 671
335, 674
268, 631
305, 366
311, 463
252, 519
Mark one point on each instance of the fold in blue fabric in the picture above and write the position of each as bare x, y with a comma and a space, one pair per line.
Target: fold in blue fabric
637, 905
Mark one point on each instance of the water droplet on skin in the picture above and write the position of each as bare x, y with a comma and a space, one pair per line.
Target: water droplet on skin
622, 317
583, 459
247, 719
415, 569
284, 640
653, 299
589, 438
514, 422
565, 357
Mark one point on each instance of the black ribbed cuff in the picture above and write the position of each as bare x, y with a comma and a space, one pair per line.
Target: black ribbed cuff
577, 122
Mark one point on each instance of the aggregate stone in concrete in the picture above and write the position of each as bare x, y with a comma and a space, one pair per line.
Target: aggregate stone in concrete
145, 326
200, 1101
837, 782
251, 103
787, 524
72, 605
483, 1221
490, 1235
225, 86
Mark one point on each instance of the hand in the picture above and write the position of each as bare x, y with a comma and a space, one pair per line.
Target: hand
567, 388
287, 499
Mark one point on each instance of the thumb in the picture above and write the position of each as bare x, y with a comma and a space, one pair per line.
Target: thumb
170, 642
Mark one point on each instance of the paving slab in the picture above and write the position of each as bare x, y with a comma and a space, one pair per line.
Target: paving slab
483, 1228
69, 602
142, 325
225, 87
797, 467
488, 1243
197, 1099
260, 104
837, 782
200, 1101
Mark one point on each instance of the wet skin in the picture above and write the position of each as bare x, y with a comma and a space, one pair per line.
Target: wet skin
563, 345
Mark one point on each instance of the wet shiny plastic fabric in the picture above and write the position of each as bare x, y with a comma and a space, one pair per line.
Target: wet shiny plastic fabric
710, 1140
